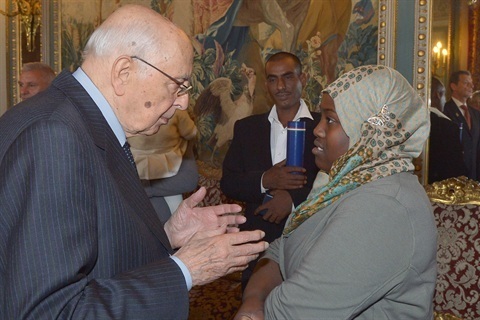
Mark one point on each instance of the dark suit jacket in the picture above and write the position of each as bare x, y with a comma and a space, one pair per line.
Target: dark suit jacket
79, 237
470, 138
248, 157
445, 155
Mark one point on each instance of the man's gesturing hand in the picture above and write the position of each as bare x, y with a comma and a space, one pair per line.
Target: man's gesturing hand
188, 219
212, 254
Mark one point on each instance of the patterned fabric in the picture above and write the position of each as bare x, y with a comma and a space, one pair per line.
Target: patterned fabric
218, 300
458, 255
362, 92
387, 124
209, 177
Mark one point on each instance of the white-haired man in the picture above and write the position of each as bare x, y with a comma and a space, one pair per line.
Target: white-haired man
34, 78
79, 237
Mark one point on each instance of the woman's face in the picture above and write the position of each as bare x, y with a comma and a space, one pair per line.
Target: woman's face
331, 141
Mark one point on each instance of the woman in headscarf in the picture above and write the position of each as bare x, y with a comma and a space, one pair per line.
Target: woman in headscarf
363, 244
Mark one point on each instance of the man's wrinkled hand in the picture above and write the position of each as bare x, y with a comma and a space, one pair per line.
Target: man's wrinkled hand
212, 254
188, 219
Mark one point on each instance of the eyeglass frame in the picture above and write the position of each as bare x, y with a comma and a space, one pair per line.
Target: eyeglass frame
182, 90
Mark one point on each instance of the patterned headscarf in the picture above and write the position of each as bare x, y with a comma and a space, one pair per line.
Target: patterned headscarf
387, 123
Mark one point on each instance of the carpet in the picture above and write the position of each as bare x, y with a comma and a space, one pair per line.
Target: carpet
218, 300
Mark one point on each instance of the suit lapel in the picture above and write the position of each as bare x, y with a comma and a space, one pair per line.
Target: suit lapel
263, 140
457, 117
475, 116
113, 155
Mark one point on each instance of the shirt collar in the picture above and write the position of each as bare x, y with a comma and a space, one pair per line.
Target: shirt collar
458, 102
302, 112
102, 104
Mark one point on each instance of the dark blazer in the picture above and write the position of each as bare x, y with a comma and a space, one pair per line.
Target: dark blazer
248, 157
470, 138
445, 152
80, 239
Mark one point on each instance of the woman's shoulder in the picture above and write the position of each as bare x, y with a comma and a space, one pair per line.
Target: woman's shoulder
398, 192
393, 185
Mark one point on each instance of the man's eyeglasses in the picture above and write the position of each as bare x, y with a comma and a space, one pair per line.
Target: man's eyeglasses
183, 89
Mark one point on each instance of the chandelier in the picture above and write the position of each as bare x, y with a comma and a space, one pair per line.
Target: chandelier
439, 59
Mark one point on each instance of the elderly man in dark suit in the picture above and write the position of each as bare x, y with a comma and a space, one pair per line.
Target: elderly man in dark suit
255, 161
80, 239
467, 119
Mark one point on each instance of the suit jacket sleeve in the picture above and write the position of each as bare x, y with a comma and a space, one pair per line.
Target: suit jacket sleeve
238, 180
51, 256
445, 156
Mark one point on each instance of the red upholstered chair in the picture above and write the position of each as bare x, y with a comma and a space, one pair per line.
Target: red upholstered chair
456, 206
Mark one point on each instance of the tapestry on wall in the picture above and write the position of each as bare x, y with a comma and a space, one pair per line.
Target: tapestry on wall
232, 39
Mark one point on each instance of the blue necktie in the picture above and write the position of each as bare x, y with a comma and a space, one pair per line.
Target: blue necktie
126, 148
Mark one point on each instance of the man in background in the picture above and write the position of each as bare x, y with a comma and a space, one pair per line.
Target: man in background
255, 162
467, 119
445, 152
34, 78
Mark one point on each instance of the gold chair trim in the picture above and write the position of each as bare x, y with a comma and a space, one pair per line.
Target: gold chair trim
456, 191
445, 316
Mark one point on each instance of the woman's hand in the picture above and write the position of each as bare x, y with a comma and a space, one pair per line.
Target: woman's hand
265, 278
252, 309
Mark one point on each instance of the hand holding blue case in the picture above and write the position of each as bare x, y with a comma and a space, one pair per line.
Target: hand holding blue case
267, 198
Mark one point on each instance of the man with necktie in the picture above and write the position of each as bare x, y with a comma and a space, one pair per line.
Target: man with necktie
80, 238
467, 119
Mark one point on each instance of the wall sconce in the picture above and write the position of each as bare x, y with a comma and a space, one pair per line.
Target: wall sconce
439, 59
30, 12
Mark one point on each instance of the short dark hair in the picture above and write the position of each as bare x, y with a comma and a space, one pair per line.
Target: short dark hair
455, 76
286, 55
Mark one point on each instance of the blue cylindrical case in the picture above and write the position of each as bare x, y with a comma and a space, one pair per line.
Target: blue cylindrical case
295, 143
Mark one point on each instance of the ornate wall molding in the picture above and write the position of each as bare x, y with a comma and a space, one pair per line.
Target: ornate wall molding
14, 60
51, 39
421, 72
422, 47
386, 33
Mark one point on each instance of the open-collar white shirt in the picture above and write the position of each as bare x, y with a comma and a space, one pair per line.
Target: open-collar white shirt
278, 133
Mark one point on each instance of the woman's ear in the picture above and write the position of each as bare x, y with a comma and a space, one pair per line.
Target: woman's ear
121, 76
